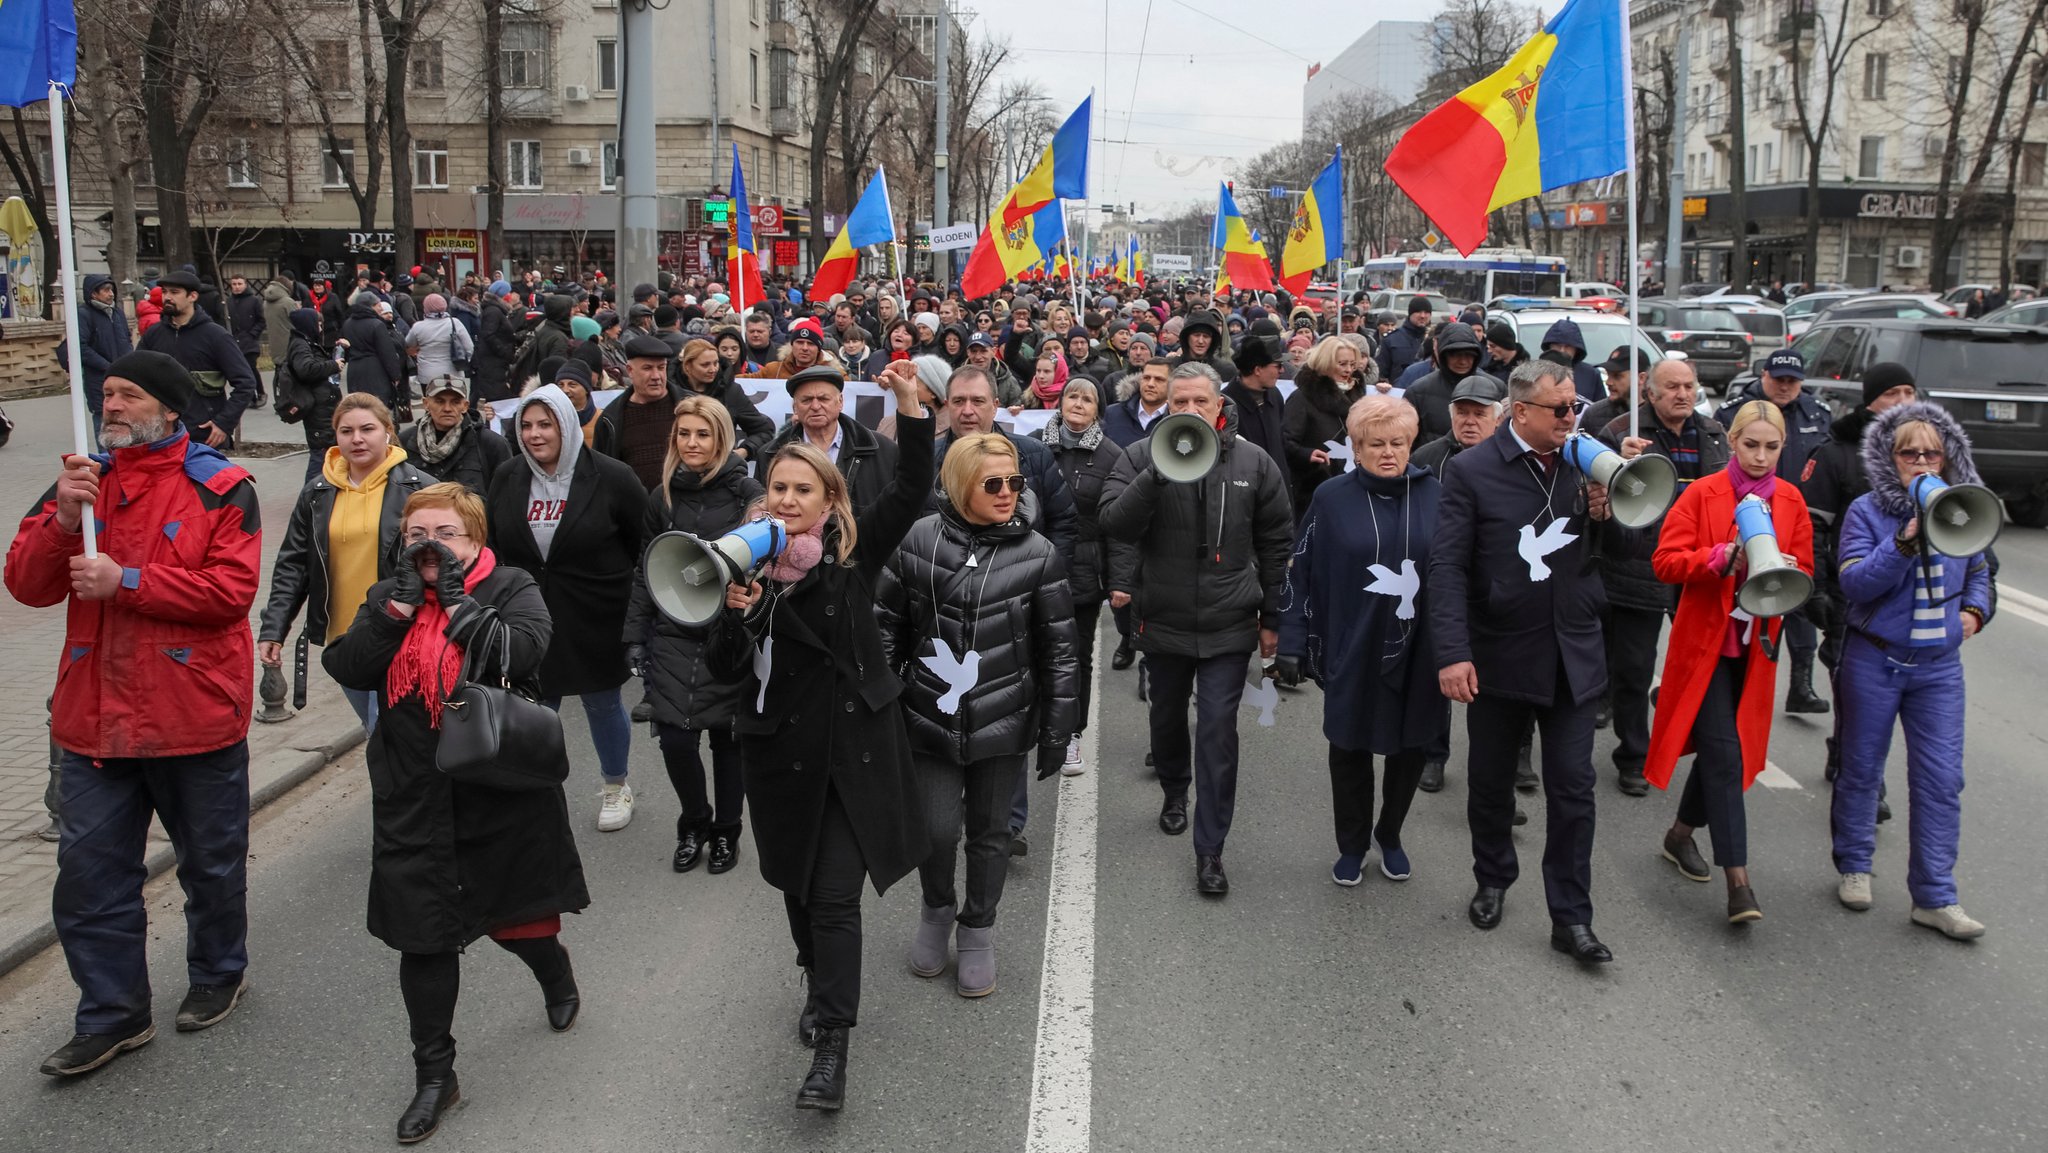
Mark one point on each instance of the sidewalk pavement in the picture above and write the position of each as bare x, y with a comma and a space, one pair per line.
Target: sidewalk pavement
280, 755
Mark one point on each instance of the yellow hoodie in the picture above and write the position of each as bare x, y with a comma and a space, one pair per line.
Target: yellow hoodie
352, 536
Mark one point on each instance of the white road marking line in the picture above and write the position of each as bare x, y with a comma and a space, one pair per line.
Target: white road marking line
2022, 604
1774, 777
1063, 1064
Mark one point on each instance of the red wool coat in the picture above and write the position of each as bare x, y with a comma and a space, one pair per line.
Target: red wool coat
1703, 518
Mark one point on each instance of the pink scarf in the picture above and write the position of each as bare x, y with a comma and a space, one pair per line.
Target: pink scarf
1736, 641
1049, 394
800, 555
426, 654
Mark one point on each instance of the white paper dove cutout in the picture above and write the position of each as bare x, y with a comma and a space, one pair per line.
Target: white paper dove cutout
1747, 619
1340, 450
959, 674
1404, 584
764, 667
1534, 546
1264, 696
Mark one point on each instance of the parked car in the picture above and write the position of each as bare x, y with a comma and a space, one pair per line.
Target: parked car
1604, 331
1764, 321
1397, 300
2025, 312
1893, 306
1801, 309
1579, 289
1960, 294
1709, 335
1993, 378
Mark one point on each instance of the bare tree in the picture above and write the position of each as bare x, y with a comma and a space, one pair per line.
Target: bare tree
835, 38
2037, 75
399, 22
1470, 39
1730, 13
110, 120
191, 54
1818, 62
494, 129
1954, 207
364, 182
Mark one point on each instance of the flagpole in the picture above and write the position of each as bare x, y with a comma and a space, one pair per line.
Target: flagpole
67, 272
1635, 266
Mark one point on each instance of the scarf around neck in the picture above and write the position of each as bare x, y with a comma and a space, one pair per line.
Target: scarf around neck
437, 446
800, 555
427, 660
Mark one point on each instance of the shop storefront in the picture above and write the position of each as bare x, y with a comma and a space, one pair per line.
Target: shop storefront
1869, 236
567, 235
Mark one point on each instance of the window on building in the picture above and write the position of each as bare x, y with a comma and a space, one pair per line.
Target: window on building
426, 65
1878, 8
523, 170
430, 164
1795, 155
331, 67
523, 56
608, 65
608, 165
1870, 166
754, 78
2033, 164
781, 64
1874, 67
755, 167
924, 34
1954, 76
48, 160
240, 154
334, 173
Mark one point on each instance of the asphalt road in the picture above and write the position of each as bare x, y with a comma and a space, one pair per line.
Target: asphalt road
1291, 1015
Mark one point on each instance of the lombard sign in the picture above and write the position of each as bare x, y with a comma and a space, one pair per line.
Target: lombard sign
1898, 205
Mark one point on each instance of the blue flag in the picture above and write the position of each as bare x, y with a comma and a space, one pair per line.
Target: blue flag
38, 44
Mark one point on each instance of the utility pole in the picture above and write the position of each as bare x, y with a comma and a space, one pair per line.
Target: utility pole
639, 241
942, 52
1674, 218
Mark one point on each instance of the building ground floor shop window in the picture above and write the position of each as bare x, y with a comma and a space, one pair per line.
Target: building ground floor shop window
564, 253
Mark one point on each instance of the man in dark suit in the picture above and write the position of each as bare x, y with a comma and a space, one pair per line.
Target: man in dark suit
1515, 601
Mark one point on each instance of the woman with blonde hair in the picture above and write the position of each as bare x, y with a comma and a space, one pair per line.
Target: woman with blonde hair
343, 536
700, 371
1910, 610
1721, 664
823, 753
975, 606
452, 862
705, 492
1324, 390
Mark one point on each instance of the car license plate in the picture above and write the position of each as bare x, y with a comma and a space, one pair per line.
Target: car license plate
1717, 345
2001, 410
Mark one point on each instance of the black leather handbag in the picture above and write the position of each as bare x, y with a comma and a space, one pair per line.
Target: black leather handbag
491, 734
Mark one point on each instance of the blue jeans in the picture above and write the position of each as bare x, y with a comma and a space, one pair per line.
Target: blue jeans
365, 705
1924, 691
96, 903
610, 730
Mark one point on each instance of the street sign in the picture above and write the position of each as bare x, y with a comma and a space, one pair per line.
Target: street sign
949, 239
1277, 192
767, 218
1168, 262
1431, 239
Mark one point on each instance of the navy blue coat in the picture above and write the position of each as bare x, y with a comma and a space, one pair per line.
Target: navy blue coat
1486, 605
102, 339
229, 387
1120, 421
1808, 424
1344, 621
1401, 348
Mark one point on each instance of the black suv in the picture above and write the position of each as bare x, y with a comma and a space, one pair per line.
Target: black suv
1993, 378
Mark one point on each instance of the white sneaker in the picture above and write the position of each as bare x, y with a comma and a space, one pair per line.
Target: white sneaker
1854, 892
617, 811
1949, 920
1073, 766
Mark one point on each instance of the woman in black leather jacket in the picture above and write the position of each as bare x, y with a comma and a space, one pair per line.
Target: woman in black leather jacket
705, 492
1086, 455
976, 619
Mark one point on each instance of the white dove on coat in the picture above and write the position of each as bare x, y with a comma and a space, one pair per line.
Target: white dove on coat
764, 667
1534, 546
959, 674
1263, 696
1404, 584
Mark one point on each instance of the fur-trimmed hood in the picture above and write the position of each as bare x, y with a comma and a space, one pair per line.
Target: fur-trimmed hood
1883, 472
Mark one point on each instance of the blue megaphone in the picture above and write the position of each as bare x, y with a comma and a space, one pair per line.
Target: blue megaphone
1957, 519
687, 575
1638, 491
1774, 586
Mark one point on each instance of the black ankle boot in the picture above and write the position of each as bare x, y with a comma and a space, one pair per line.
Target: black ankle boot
434, 1097
1801, 698
824, 1086
807, 1019
561, 997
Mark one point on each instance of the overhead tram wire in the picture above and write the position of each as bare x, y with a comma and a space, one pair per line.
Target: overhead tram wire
1130, 109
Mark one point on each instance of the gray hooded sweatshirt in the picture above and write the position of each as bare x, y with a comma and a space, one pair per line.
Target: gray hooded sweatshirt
548, 494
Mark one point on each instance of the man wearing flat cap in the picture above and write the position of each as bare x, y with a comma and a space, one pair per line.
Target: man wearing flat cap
866, 459
152, 701
635, 428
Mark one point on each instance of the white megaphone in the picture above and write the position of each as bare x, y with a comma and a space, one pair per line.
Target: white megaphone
1774, 586
687, 575
1638, 491
1957, 519
1184, 447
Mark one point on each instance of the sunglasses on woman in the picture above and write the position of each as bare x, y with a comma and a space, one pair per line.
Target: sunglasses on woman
1919, 455
995, 484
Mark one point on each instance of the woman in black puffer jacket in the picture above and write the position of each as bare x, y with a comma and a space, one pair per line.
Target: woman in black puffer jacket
376, 362
308, 386
1324, 391
705, 492
976, 620
1086, 455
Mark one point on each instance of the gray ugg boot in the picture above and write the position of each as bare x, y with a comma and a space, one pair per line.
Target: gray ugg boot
975, 975
928, 948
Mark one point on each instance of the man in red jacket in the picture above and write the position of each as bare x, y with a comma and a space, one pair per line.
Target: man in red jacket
152, 702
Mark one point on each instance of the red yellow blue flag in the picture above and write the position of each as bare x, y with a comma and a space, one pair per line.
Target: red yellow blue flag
742, 262
1243, 263
1316, 237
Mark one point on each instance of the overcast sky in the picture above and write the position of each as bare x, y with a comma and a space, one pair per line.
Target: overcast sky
1216, 81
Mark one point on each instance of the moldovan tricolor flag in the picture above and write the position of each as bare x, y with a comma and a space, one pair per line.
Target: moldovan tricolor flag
1317, 236
1003, 251
1555, 114
1244, 264
869, 223
742, 263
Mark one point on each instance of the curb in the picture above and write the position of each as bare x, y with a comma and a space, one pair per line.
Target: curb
270, 776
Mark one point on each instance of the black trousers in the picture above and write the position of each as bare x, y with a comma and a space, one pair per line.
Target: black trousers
1713, 789
826, 924
1831, 641
679, 754
429, 983
1351, 797
1493, 728
1217, 686
1631, 669
1086, 618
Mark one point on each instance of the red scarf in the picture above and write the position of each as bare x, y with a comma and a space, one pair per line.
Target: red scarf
428, 661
